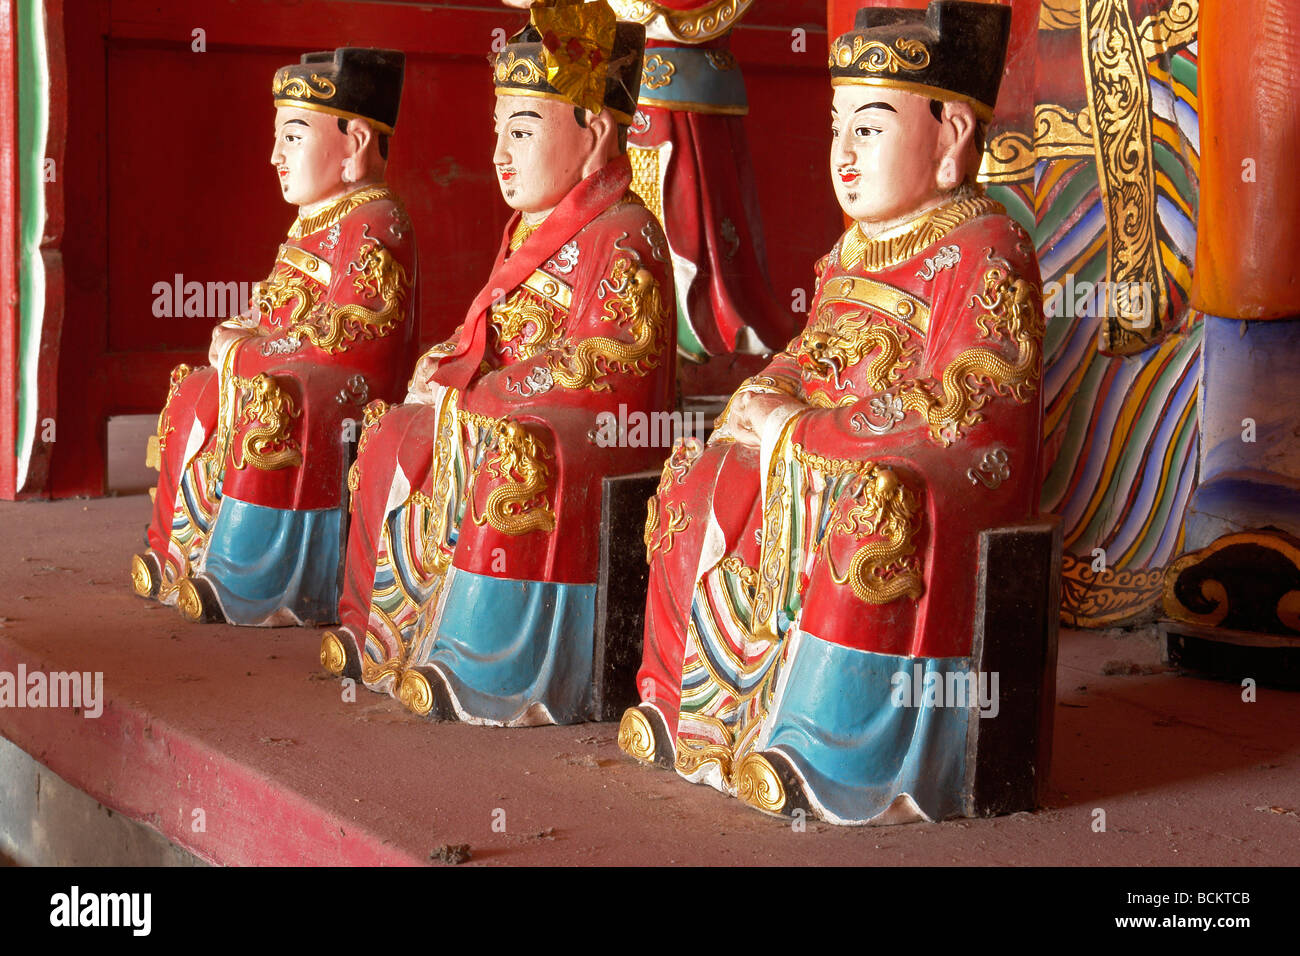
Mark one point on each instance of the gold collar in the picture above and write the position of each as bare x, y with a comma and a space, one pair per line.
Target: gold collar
900, 244
522, 232
305, 226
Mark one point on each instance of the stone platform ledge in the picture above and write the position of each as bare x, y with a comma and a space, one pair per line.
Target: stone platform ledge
241, 724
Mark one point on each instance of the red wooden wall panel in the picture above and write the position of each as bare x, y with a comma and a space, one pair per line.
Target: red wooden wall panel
168, 170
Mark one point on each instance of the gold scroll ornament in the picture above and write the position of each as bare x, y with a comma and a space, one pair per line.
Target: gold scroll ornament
320, 87
1119, 97
1093, 599
873, 56
1170, 28
1215, 593
1059, 133
517, 69
656, 72
687, 26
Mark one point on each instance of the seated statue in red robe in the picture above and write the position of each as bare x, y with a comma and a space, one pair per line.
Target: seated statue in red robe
691, 165
472, 553
248, 516
816, 562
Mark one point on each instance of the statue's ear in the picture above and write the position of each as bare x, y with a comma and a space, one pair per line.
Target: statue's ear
604, 129
955, 140
360, 135
361, 162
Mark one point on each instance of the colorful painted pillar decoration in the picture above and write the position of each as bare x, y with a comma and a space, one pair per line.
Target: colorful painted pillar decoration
33, 121
253, 451
1105, 176
473, 548
815, 567
1234, 595
690, 162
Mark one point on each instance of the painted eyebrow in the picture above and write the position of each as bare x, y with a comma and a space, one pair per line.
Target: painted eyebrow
525, 113
298, 121
876, 106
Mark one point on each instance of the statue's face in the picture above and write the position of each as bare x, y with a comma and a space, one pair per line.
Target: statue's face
884, 152
540, 151
309, 155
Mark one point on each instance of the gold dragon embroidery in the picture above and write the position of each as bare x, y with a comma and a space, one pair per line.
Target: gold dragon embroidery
518, 505
377, 276
635, 301
282, 287
165, 427
677, 522
882, 571
1009, 309
832, 344
676, 466
274, 409
370, 418
529, 319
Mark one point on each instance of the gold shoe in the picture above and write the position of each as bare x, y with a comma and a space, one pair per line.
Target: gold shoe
423, 691
196, 601
146, 575
767, 782
642, 735
339, 655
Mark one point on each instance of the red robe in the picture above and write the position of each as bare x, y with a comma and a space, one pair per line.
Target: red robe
917, 426
334, 326
569, 327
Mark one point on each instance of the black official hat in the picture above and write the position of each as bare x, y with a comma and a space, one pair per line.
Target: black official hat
953, 50
348, 82
576, 52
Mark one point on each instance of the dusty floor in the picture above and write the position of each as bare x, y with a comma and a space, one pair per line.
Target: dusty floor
1185, 771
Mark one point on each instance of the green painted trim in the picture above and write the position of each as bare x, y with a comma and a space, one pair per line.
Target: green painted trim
1076, 422
1146, 424
686, 339
1060, 327
1014, 201
1082, 181
1164, 503
1184, 71
1171, 164
33, 127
